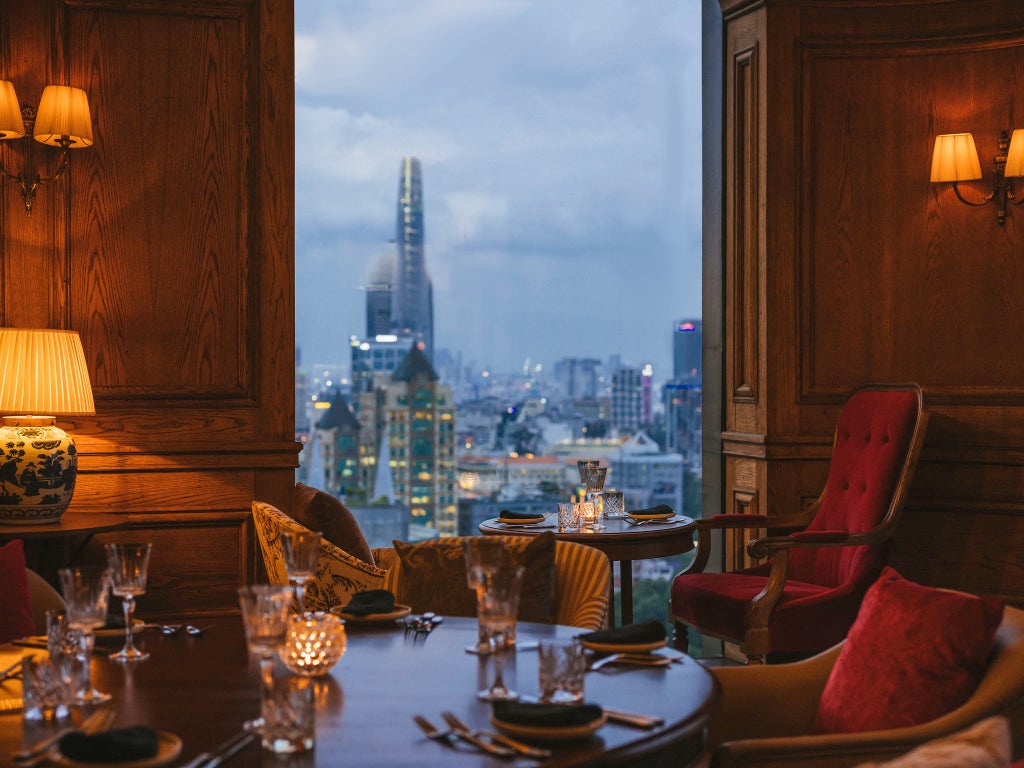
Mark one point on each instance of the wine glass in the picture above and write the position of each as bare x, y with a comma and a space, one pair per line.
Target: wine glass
265, 615
128, 564
301, 552
86, 592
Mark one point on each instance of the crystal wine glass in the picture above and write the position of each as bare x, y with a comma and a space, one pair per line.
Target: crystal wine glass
497, 593
129, 564
86, 592
265, 615
301, 552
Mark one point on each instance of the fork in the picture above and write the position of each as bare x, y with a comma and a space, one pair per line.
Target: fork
432, 732
458, 727
37, 753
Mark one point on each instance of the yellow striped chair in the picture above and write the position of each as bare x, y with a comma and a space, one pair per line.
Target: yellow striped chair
583, 579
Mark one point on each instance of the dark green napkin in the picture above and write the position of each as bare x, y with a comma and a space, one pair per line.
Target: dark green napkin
117, 746
546, 715
508, 514
649, 631
370, 601
658, 509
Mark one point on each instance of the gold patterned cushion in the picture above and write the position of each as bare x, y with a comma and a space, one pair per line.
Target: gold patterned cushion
434, 577
339, 575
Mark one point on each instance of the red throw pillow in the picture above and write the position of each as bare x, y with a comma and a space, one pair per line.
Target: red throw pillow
15, 599
913, 654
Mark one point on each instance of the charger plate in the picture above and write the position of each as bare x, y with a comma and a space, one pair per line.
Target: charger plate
550, 733
655, 516
624, 647
400, 611
168, 748
522, 520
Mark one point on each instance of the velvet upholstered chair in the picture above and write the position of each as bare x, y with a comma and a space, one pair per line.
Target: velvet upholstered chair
805, 597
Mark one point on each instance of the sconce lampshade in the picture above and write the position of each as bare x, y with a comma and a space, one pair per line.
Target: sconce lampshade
955, 158
1015, 155
63, 115
42, 374
11, 124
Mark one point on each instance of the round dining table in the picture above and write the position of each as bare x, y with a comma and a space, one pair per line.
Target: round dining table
203, 688
620, 540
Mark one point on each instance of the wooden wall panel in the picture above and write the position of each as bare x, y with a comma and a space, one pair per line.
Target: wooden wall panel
872, 273
170, 248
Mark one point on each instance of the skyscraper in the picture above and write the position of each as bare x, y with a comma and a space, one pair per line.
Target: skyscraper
412, 310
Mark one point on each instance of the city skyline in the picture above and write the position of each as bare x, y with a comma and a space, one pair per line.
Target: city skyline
561, 184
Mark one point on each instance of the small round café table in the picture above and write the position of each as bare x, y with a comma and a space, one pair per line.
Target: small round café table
619, 541
202, 689
51, 546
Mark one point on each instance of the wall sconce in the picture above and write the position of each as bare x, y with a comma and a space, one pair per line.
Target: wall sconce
62, 120
955, 159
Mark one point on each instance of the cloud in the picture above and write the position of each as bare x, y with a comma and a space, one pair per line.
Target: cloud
560, 159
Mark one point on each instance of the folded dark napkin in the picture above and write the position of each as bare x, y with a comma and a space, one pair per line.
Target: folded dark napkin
546, 715
658, 509
508, 514
370, 601
117, 746
649, 631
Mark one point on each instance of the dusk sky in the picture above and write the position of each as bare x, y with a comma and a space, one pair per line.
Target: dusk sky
560, 146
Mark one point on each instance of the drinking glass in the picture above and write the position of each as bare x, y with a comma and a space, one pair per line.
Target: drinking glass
613, 505
44, 689
497, 604
482, 555
86, 592
265, 614
129, 564
301, 552
584, 466
561, 665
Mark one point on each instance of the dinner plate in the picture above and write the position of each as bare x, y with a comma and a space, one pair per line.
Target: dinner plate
550, 733
623, 647
167, 750
373, 618
521, 521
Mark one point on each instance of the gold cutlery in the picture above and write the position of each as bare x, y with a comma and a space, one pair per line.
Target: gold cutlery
524, 749
98, 721
432, 732
224, 751
632, 718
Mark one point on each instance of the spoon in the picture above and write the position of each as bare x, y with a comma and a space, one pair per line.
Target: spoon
171, 629
195, 631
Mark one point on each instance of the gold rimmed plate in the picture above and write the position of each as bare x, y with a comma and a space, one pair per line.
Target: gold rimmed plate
624, 647
400, 612
168, 749
659, 516
522, 520
550, 733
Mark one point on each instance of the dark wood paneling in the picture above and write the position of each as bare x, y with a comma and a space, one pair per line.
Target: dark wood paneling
170, 249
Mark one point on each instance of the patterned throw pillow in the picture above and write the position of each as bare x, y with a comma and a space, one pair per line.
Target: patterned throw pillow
339, 575
433, 577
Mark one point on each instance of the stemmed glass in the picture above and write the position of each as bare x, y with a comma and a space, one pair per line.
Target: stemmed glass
595, 487
265, 614
129, 564
86, 592
301, 552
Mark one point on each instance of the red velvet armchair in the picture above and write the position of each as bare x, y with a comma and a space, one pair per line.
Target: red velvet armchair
805, 597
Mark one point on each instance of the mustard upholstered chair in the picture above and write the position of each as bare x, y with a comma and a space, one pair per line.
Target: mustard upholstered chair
766, 713
339, 575
583, 580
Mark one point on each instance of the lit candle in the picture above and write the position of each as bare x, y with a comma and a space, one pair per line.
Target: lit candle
316, 641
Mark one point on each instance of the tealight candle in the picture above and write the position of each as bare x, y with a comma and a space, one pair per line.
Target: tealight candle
316, 641
588, 514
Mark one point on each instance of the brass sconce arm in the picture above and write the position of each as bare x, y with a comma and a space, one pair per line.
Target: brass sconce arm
955, 159
28, 187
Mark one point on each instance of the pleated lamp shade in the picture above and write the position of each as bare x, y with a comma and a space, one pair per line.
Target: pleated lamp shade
955, 158
43, 372
1015, 155
11, 124
63, 114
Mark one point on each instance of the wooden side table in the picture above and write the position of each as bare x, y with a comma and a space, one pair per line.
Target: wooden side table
620, 542
52, 546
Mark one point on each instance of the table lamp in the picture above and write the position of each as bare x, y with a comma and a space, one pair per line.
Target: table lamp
42, 371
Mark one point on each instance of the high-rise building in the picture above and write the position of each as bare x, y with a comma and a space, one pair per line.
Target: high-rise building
415, 414
378, 296
380, 354
338, 433
578, 377
627, 399
412, 305
686, 350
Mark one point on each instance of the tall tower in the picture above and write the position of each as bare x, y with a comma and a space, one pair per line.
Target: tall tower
412, 312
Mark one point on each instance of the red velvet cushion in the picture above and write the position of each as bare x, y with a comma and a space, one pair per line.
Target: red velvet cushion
15, 600
322, 512
913, 654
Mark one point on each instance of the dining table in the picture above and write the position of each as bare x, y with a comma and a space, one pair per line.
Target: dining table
621, 539
202, 688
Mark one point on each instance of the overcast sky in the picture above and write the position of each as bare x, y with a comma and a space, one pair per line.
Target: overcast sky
559, 141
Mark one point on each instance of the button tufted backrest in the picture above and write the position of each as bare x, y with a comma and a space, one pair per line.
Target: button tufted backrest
872, 442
